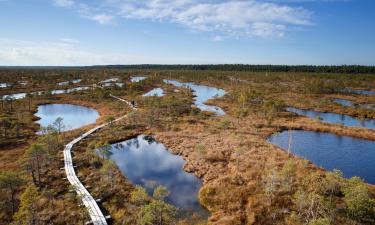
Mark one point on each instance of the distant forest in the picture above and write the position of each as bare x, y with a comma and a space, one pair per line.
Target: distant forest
343, 69
351, 69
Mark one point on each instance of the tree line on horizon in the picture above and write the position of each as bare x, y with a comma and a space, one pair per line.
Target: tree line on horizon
339, 69
348, 69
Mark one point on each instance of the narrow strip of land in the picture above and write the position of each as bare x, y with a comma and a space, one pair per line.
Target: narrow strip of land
96, 215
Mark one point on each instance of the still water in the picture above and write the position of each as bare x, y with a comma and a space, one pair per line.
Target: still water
4, 85
76, 81
335, 118
74, 116
158, 92
203, 93
362, 92
353, 156
349, 103
148, 163
53, 92
112, 82
137, 78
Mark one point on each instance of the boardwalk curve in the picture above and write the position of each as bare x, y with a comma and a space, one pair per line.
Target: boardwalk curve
96, 215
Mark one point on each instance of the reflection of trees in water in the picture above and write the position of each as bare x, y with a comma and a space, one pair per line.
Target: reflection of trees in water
150, 140
149, 184
138, 141
342, 118
137, 160
118, 146
133, 142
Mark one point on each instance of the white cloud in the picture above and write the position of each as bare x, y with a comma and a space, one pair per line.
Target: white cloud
62, 53
95, 14
101, 18
69, 40
235, 18
218, 38
227, 17
262, 29
52, 53
64, 3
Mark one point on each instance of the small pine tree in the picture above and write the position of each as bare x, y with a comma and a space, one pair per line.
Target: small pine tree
27, 213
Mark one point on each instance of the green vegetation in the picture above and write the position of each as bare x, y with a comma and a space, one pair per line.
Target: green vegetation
10, 184
157, 211
360, 206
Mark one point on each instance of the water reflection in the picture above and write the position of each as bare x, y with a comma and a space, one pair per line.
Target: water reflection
203, 93
353, 156
362, 92
4, 85
348, 103
148, 163
74, 116
343, 102
14, 96
137, 78
53, 92
158, 92
117, 84
71, 90
335, 118
110, 80
76, 81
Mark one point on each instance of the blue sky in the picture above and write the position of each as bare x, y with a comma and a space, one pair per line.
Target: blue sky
93, 32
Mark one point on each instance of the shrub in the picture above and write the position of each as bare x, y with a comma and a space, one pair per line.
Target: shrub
359, 205
287, 174
139, 195
320, 221
225, 124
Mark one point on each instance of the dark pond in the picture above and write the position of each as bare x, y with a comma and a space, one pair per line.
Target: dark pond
149, 164
335, 118
158, 92
74, 116
353, 156
203, 93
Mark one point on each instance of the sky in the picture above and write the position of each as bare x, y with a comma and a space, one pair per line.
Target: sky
102, 32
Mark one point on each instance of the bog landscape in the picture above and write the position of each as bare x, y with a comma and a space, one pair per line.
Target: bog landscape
187, 112
187, 146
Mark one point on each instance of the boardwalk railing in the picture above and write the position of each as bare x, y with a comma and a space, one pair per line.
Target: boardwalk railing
96, 215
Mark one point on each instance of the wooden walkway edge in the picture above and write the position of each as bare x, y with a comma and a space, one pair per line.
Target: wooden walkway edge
96, 215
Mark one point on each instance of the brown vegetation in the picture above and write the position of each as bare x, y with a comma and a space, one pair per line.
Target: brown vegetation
246, 179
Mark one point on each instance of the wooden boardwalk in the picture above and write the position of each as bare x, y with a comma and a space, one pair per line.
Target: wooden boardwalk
96, 215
